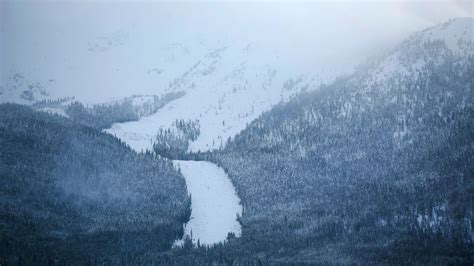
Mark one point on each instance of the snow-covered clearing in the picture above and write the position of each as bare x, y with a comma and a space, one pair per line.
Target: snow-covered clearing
214, 201
215, 204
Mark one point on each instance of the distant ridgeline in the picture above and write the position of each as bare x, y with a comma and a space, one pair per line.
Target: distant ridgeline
72, 194
377, 167
102, 116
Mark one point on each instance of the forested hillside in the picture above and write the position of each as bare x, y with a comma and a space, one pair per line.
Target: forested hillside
236, 143
71, 193
102, 116
376, 167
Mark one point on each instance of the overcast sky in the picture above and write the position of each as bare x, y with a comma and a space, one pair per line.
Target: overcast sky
42, 39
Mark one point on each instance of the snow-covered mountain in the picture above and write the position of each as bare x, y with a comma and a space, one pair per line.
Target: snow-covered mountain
229, 87
226, 83
225, 86
224, 90
385, 150
455, 37
19, 89
418, 56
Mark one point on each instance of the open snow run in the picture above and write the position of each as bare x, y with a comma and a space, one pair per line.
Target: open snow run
214, 203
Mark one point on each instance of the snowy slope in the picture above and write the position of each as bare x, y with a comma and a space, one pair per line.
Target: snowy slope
214, 201
231, 86
226, 86
215, 204
387, 77
99, 75
455, 36
225, 89
19, 89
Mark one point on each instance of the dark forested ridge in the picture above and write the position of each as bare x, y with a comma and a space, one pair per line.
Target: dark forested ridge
373, 168
70, 193
102, 116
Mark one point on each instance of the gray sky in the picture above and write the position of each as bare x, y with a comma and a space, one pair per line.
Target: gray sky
44, 40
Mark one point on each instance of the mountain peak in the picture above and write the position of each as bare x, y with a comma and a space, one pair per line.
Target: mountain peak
457, 34
431, 46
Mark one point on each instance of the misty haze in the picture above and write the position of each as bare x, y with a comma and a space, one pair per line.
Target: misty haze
236, 132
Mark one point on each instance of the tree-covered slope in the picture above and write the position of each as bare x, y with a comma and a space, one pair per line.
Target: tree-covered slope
376, 167
71, 193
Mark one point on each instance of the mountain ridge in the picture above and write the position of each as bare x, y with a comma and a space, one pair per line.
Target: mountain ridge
373, 171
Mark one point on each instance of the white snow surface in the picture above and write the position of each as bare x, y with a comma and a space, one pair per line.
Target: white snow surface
214, 202
225, 90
